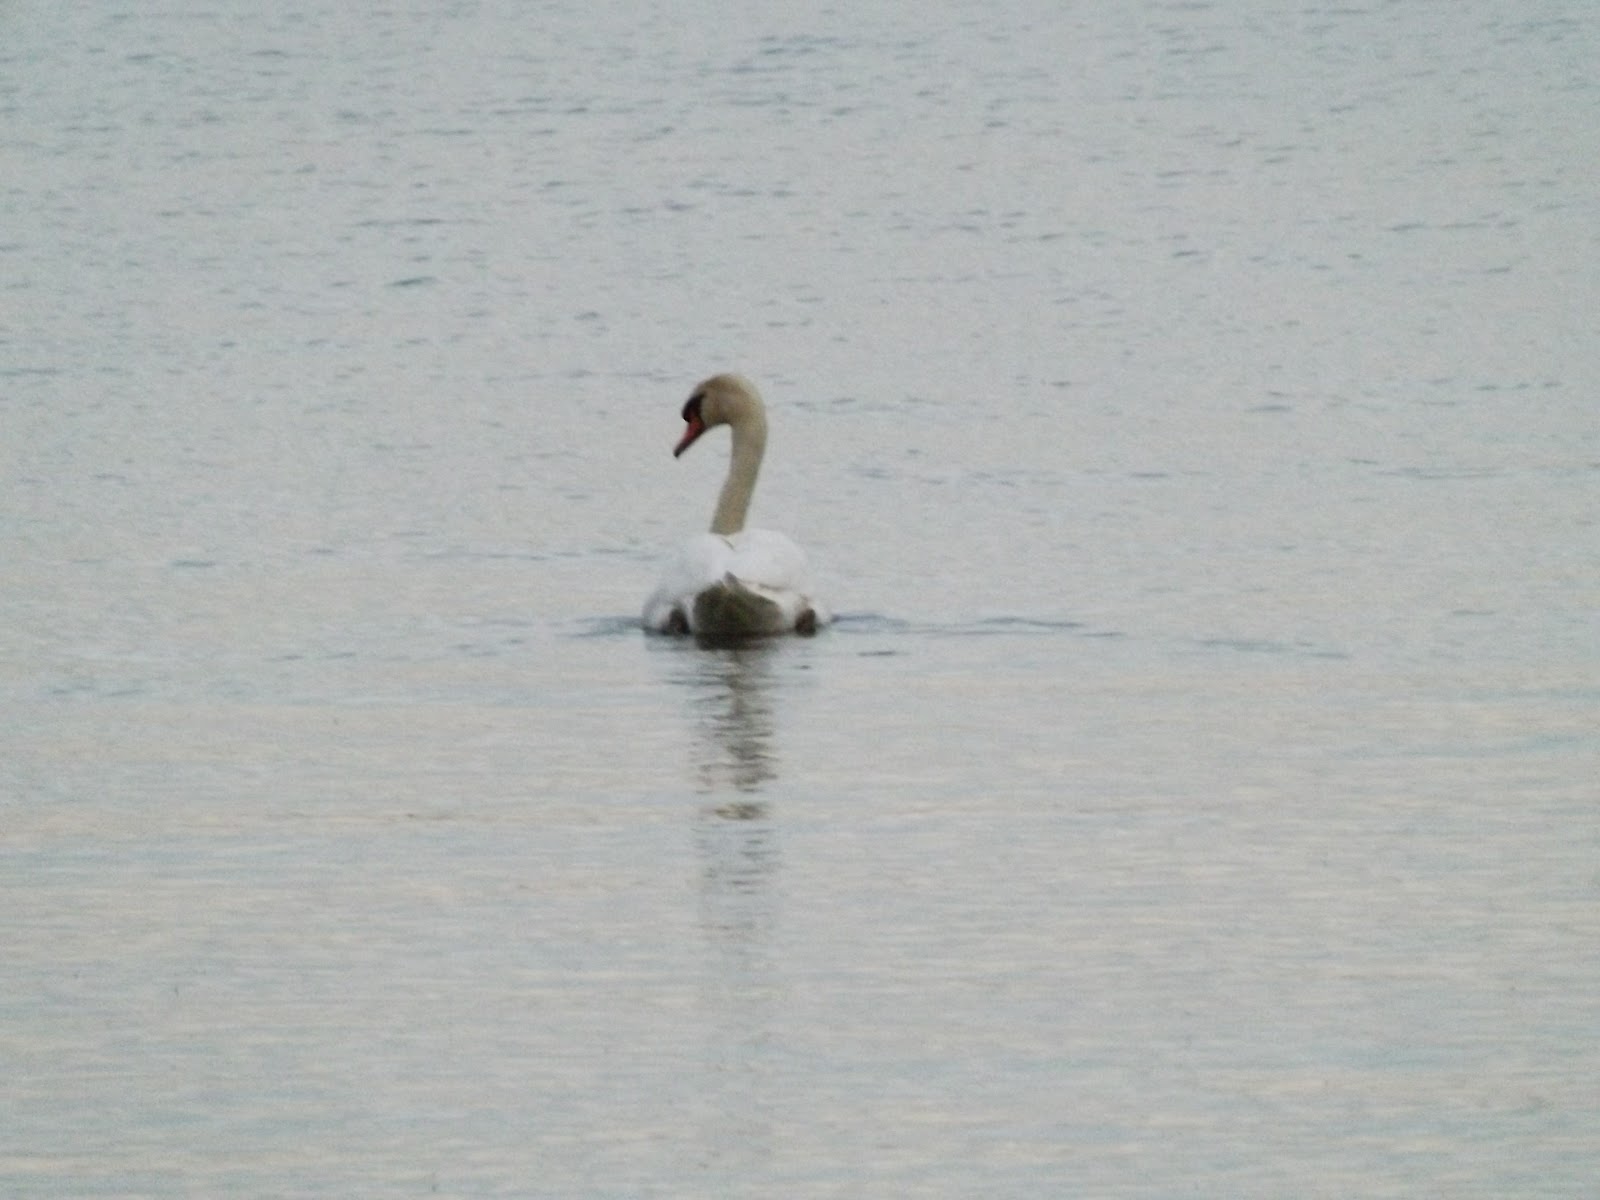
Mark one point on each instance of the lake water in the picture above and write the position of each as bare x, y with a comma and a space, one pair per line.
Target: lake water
1191, 408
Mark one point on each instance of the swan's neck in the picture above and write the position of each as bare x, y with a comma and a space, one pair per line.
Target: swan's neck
744, 464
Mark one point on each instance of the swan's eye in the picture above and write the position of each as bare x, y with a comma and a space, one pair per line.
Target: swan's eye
691, 410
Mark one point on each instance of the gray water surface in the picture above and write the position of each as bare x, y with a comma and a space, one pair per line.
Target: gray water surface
1190, 408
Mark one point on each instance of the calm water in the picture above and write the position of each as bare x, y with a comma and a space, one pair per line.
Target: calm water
1192, 410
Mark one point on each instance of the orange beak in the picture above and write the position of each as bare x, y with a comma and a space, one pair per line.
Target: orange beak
695, 428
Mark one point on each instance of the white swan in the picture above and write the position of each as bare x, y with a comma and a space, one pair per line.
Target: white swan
734, 582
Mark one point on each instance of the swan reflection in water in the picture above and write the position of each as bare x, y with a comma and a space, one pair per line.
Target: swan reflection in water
730, 697
737, 857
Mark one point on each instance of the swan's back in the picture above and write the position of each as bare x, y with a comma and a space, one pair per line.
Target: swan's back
749, 584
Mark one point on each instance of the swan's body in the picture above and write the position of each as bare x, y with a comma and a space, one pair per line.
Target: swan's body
734, 582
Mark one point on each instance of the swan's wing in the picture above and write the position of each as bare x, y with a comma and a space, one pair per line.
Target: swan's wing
771, 563
767, 559
699, 563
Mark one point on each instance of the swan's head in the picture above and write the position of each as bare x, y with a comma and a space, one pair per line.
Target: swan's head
720, 400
